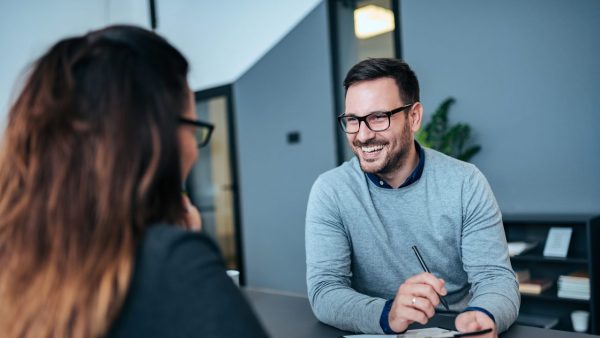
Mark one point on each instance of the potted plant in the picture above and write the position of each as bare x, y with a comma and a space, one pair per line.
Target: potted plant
450, 140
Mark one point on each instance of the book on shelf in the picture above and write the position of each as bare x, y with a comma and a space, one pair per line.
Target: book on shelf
544, 322
577, 276
535, 286
522, 275
575, 285
573, 295
517, 248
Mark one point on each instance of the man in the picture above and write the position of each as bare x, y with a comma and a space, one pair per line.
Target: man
364, 217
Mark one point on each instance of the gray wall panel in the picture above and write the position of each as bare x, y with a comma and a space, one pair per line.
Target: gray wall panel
526, 75
288, 90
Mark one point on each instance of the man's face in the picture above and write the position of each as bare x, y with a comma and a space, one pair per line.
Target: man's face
385, 151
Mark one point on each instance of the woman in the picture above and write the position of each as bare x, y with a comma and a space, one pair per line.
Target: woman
91, 169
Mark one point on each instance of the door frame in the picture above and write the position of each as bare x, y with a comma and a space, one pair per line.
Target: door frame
227, 92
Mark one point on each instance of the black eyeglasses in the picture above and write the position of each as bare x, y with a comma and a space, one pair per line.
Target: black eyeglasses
203, 130
377, 121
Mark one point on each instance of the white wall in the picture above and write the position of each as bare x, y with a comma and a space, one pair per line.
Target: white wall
29, 27
223, 39
526, 76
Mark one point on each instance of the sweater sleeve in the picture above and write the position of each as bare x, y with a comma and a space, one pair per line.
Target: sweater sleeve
485, 253
328, 274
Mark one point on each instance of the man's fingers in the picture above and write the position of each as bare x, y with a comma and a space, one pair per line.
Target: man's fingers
424, 305
473, 321
416, 300
408, 308
463, 321
438, 284
473, 326
420, 290
411, 314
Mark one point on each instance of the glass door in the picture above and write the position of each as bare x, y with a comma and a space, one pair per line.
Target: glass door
212, 182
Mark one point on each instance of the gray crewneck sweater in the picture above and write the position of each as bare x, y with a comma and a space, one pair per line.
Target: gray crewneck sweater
359, 238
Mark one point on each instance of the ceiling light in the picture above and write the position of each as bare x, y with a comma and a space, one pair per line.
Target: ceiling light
371, 20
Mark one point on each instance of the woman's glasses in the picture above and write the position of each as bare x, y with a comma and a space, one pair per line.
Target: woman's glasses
203, 130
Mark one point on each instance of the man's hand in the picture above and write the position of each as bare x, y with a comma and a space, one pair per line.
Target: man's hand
415, 301
475, 320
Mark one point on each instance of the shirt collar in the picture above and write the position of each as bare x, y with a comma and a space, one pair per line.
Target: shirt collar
412, 178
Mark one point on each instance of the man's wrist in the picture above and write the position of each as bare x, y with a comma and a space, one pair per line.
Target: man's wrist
384, 319
480, 309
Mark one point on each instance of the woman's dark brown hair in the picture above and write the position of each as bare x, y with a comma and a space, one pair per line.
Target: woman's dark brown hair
89, 160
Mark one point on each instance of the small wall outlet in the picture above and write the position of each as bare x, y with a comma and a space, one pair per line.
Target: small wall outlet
293, 137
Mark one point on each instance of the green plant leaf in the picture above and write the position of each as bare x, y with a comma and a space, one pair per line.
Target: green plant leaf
466, 156
450, 140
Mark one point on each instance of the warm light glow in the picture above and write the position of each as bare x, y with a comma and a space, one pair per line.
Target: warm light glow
371, 20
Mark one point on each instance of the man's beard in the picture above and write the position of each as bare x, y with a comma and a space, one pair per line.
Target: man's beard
392, 161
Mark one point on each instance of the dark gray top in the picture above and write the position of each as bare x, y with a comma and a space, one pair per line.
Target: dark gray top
180, 289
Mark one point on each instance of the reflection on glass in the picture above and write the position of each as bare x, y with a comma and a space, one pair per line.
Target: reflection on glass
210, 182
379, 45
372, 20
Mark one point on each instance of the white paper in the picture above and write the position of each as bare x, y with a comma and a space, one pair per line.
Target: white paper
431, 332
517, 248
557, 243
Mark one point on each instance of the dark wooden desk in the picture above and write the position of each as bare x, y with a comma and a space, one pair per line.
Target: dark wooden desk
286, 316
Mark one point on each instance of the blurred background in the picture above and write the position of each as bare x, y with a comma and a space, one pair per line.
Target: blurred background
525, 76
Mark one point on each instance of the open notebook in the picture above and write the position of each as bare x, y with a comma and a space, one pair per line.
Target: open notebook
431, 332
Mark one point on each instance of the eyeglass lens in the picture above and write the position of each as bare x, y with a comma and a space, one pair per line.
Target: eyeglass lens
202, 135
374, 121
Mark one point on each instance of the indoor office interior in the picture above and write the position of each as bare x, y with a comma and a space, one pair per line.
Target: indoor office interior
523, 75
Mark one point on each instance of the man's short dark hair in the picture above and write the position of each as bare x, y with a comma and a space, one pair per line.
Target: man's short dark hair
372, 69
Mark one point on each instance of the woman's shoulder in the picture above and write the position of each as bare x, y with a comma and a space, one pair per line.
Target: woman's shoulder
166, 233
179, 276
164, 236
173, 248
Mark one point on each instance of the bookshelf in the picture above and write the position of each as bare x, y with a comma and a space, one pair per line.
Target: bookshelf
583, 254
